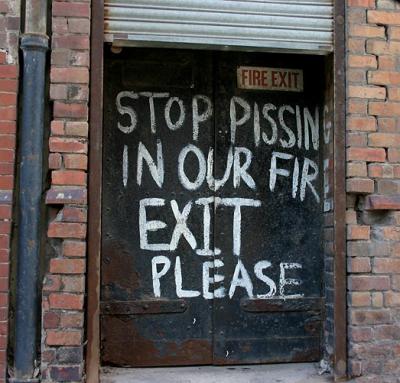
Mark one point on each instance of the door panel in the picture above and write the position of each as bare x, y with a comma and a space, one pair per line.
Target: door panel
280, 257
165, 329
214, 257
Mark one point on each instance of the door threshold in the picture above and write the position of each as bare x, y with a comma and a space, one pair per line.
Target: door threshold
272, 373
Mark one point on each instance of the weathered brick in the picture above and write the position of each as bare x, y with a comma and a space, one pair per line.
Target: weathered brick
357, 232
367, 92
386, 265
370, 316
383, 17
68, 177
366, 154
383, 78
76, 161
66, 301
359, 265
68, 145
74, 248
70, 110
369, 282
67, 266
360, 185
66, 230
65, 373
71, 9
63, 338
366, 124
69, 75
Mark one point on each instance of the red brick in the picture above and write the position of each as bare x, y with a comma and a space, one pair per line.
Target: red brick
75, 161
6, 182
369, 282
387, 332
377, 47
58, 91
7, 141
68, 145
55, 161
379, 202
366, 154
70, 110
383, 78
361, 3
71, 42
57, 128
4, 269
74, 214
6, 168
394, 94
366, 124
384, 140
386, 265
357, 106
79, 25
67, 266
73, 284
359, 299
367, 92
356, 139
358, 232
387, 125
8, 99
8, 71
52, 283
359, 265
74, 128
50, 320
67, 230
8, 113
380, 171
5, 227
368, 317
66, 301
392, 299
388, 187
61, 8
383, 17
8, 127
74, 320
391, 232
386, 63
63, 338
68, 177
369, 31
362, 61
394, 155
357, 169
74, 249
5, 212
69, 75
394, 33
361, 334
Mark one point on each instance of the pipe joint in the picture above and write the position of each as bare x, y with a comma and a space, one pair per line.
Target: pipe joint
34, 42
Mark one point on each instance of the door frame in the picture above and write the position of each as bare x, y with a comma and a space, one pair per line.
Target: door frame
95, 196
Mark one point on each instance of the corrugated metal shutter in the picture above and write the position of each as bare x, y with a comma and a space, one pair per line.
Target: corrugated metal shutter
294, 25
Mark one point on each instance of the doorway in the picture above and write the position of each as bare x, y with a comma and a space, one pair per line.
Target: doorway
212, 212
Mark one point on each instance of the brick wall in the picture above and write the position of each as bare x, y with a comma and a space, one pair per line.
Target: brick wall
9, 73
64, 285
373, 186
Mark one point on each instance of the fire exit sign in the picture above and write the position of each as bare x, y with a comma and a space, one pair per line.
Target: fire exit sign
277, 79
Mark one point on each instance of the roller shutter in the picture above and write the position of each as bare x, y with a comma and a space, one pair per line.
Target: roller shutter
290, 25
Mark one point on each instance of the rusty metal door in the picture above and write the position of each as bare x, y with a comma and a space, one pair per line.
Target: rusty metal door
211, 221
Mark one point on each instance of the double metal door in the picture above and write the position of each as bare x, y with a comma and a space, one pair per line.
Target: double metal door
211, 221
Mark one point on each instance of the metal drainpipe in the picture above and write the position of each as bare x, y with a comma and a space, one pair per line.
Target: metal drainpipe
34, 44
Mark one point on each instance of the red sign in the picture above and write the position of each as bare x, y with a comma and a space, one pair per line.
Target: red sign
288, 80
